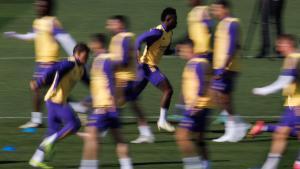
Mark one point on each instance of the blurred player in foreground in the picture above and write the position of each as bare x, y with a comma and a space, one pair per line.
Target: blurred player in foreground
195, 92
47, 34
112, 75
289, 82
157, 41
226, 53
261, 127
62, 121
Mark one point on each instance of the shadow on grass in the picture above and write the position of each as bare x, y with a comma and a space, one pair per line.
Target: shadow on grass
114, 165
12, 162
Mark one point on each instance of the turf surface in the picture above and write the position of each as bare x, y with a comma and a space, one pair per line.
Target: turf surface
81, 18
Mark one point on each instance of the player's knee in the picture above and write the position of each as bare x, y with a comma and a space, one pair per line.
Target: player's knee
169, 91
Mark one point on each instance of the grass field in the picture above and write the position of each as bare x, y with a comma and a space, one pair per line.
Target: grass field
81, 18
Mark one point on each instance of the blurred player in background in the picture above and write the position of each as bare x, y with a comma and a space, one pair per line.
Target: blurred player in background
157, 41
62, 120
47, 34
289, 82
225, 65
112, 75
195, 92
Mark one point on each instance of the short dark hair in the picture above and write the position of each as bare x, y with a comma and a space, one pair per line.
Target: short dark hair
81, 47
50, 6
122, 18
289, 37
188, 42
224, 3
99, 37
167, 11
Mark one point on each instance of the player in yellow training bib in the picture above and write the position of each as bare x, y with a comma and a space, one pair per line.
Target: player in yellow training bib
157, 41
225, 65
47, 34
288, 81
62, 120
197, 104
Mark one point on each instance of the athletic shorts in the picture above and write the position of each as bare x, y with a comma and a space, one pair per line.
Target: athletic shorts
197, 122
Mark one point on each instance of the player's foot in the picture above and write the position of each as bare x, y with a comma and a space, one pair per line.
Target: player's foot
143, 139
240, 132
30, 124
165, 126
79, 107
228, 135
39, 165
256, 129
296, 165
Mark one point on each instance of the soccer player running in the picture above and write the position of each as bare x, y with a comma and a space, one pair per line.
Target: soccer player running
195, 92
288, 80
47, 34
62, 120
225, 60
157, 41
112, 75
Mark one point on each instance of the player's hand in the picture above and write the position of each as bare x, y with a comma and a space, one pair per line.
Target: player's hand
33, 85
259, 91
9, 34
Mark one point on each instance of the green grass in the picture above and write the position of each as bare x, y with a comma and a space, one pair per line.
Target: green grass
81, 18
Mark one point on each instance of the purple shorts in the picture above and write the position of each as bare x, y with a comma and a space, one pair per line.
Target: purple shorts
197, 122
151, 73
105, 121
41, 69
291, 118
61, 118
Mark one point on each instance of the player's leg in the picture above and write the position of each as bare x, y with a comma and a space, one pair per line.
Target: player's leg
91, 147
235, 127
122, 149
132, 91
279, 141
97, 122
277, 148
53, 127
36, 115
191, 159
160, 81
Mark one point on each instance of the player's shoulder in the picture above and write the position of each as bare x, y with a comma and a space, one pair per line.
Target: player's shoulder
295, 55
231, 20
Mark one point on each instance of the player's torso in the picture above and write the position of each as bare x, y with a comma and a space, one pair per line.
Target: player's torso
197, 29
292, 91
102, 82
124, 72
62, 86
222, 42
152, 54
46, 47
191, 84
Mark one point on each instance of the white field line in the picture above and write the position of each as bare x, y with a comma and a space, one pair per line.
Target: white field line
152, 117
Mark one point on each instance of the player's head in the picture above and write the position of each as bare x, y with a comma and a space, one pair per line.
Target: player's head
186, 49
81, 53
286, 44
117, 23
97, 43
193, 3
169, 18
221, 9
44, 7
